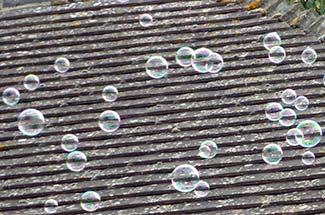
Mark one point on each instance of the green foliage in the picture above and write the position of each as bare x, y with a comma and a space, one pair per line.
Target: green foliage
318, 5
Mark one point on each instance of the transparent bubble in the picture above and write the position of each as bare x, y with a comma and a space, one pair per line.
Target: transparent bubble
271, 39
145, 20
110, 93
324, 79
157, 67
309, 56
31, 82
312, 133
109, 121
31, 122
293, 135
185, 177
76, 161
201, 60
11, 96
90, 201
62, 65
308, 158
288, 117
208, 149
288, 96
216, 62
273, 110
301, 103
69, 142
184, 56
277, 54
51, 206
202, 189
272, 154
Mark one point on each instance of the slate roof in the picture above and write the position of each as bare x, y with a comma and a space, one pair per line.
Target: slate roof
163, 121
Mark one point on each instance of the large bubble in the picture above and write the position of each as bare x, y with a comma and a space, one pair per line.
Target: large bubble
312, 133
31, 122
185, 178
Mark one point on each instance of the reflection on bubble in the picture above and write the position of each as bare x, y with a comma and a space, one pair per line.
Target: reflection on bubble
157, 67
62, 65
201, 60
51, 206
10, 96
288, 117
185, 177
109, 121
293, 135
312, 133
31, 82
272, 154
216, 63
271, 39
76, 161
277, 54
184, 56
90, 201
208, 149
309, 56
288, 96
31, 122
308, 158
202, 189
145, 20
301, 103
273, 110
69, 142
110, 93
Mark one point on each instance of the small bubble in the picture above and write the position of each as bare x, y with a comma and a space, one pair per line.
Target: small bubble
184, 56
301, 103
288, 117
312, 133
157, 67
76, 161
277, 54
271, 39
90, 201
31, 122
145, 20
308, 158
309, 56
69, 142
185, 178
110, 93
201, 60
288, 96
109, 121
272, 154
51, 206
11, 96
62, 65
208, 149
202, 189
31, 82
273, 110
216, 62
293, 135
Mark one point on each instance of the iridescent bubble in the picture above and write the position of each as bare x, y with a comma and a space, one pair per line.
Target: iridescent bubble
109, 121
184, 56
202, 189
208, 149
273, 110
185, 178
51, 206
288, 96
288, 117
309, 56
110, 93
62, 65
69, 142
301, 103
157, 67
271, 39
145, 20
277, 54
90, 201
272, 154
312, 133
308, 158
76, 161
293, 135
201, 60
31, 82
10, 96
31, 122
216, 62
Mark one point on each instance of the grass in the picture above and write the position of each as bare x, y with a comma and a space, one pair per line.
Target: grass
317, 5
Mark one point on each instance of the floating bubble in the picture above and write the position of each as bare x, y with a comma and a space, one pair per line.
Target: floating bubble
185, 178
10, 96
308, 158
109, 121
31, 122
201, 60
69, 142
110, 93
216, 62
51, 206
62, 65
277, 54
76, 161
90, 201
202, 189
157, 67
31, 82
288, 96
301, 103
145, 20
293, 135
184, 56
309, 56
208, 149
312, 133
272, 154
273, 110
271, 40
288, 117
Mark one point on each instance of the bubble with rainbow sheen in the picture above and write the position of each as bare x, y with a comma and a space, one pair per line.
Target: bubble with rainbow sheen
62, 65
76, 161
201, 60
216, 63
109, 121
145, 20
10, 96
69, 142
157, 67
273, 110
110, 93
308, 158
271, 39
185, 177
184, 56
208, 149
312, 133
90, 201
301, 103
293, 135
277, 54
309, 56
272, 154
31, 82
288, 117
288, 96
31, 122
51, 206
202, 189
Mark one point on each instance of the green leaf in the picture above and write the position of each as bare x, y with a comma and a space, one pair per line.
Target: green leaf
310, 4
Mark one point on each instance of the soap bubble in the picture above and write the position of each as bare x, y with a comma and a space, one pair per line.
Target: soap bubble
110, 93
277, 54
145, 20
185, 177
216, 62
109, 121
62, 65
288, 117
76, 161
90, 201
208, 149
157, 67
309, 56
271, 39
288, 96
10, 96
69, 142
31, 82
31, 122
301, 103
312, 133
202, 189
273, 110
201, 60
51, 206
184, 56
293, 135
308, 158
272, 154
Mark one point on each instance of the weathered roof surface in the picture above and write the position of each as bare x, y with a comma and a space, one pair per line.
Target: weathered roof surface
163, 121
